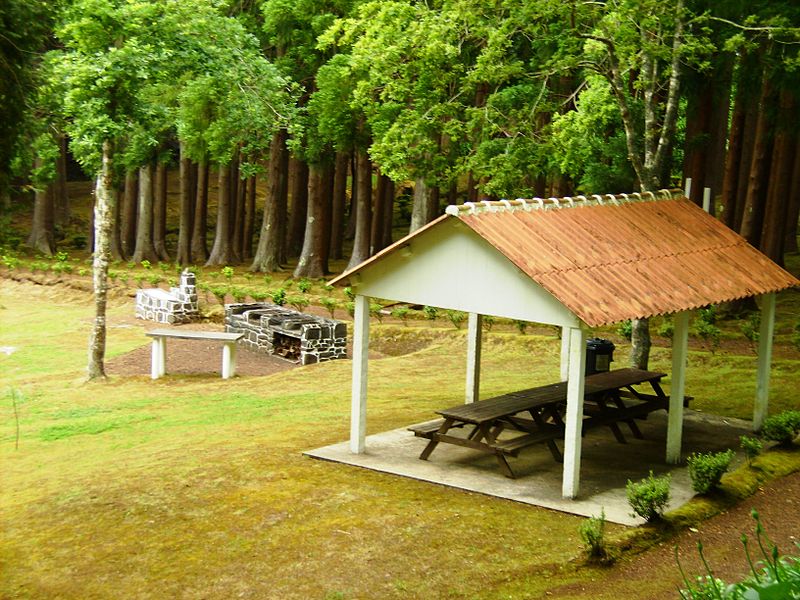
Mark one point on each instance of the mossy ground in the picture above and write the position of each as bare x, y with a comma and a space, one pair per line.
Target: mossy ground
196, 487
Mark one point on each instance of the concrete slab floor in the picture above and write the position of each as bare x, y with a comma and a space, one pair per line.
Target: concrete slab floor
606, 465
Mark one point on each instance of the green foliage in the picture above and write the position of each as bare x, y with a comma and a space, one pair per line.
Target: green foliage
521, 326
239, 294
751, 446
782, 428
401, 312
258, 296
649, 497
751, 328
329, 304
348, 292
304, 285
625, 329
706, 470
376, 310
351, 308
279, 297
431, 312
456, 317
146, 265
796, 336
592, 532
667, 329
772, 576
227, 273
219, 293
488, 322
298, 302
708, 332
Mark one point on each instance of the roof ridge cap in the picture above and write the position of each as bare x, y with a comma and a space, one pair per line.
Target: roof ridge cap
529, 204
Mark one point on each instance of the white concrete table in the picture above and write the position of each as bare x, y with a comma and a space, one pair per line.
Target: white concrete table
158, 363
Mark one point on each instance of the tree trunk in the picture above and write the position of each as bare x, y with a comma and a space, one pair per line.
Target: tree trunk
350, 227
790, 241
42, 237
221, 250
128, 212
238, 198
200, 221
160, 212
699, 109
116, 230
298, 190
144, 226
184, 256
640, 343
776, 210
338, 204
753, 218
312, 258
748, 147
268, 254
426, 204
389, 220
378, 216
61, 193
733, 162
249, 218
363, 210
104, 207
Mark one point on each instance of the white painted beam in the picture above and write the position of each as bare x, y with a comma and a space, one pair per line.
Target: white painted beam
474, 342
764, 360
574, 417
358, 407
677, 391
564, 353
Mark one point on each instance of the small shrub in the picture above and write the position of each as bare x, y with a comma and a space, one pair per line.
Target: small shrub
154, 279
113, 275
238, 294
146, 265
782, 428
219, 293
83, 272
431, 312
625, 330
375, 311
62, 257
351, 308
259, 296
521, 326
709, 333
348, 292
649, 497
488, 322
304, 285
401, 312
709, 314
165, 267
11, 262
267, 279
456, 317
329, 304
667, 329
592, 532
298, 302
751, 446
328, 288
706, 470
227, 273
279, 297
751, 328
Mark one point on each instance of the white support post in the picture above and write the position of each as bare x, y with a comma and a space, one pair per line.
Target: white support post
564, 353
707, 199
764, 360
687, 187
228, 360
358, 408
677, 391
155, 358
474, 339
574, 416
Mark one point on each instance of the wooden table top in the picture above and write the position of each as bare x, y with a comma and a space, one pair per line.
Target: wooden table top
515, 402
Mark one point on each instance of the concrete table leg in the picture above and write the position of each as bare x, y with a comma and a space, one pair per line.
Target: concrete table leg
228, 360
158, 358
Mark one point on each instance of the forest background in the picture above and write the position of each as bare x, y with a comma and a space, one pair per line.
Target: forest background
349, 117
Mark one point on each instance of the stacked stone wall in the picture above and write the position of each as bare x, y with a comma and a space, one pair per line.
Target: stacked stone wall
178, 305
266, 326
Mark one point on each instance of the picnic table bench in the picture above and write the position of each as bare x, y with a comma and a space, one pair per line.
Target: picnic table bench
535, 415
158, 362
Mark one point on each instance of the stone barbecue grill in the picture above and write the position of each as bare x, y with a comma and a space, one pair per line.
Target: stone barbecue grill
286, 333
178, 305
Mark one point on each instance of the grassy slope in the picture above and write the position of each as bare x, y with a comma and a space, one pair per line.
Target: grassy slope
196, 487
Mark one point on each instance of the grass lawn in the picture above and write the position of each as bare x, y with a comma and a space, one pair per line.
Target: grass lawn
195, 487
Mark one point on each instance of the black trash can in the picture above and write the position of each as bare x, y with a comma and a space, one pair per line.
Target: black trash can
599, 355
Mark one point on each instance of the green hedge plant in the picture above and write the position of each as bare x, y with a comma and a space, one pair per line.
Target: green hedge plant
649, 497
706, 470
782, 428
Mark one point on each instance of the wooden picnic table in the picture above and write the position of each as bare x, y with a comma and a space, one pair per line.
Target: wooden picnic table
534, 415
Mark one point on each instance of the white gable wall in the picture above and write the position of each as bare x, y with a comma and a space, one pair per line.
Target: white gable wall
452, 267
